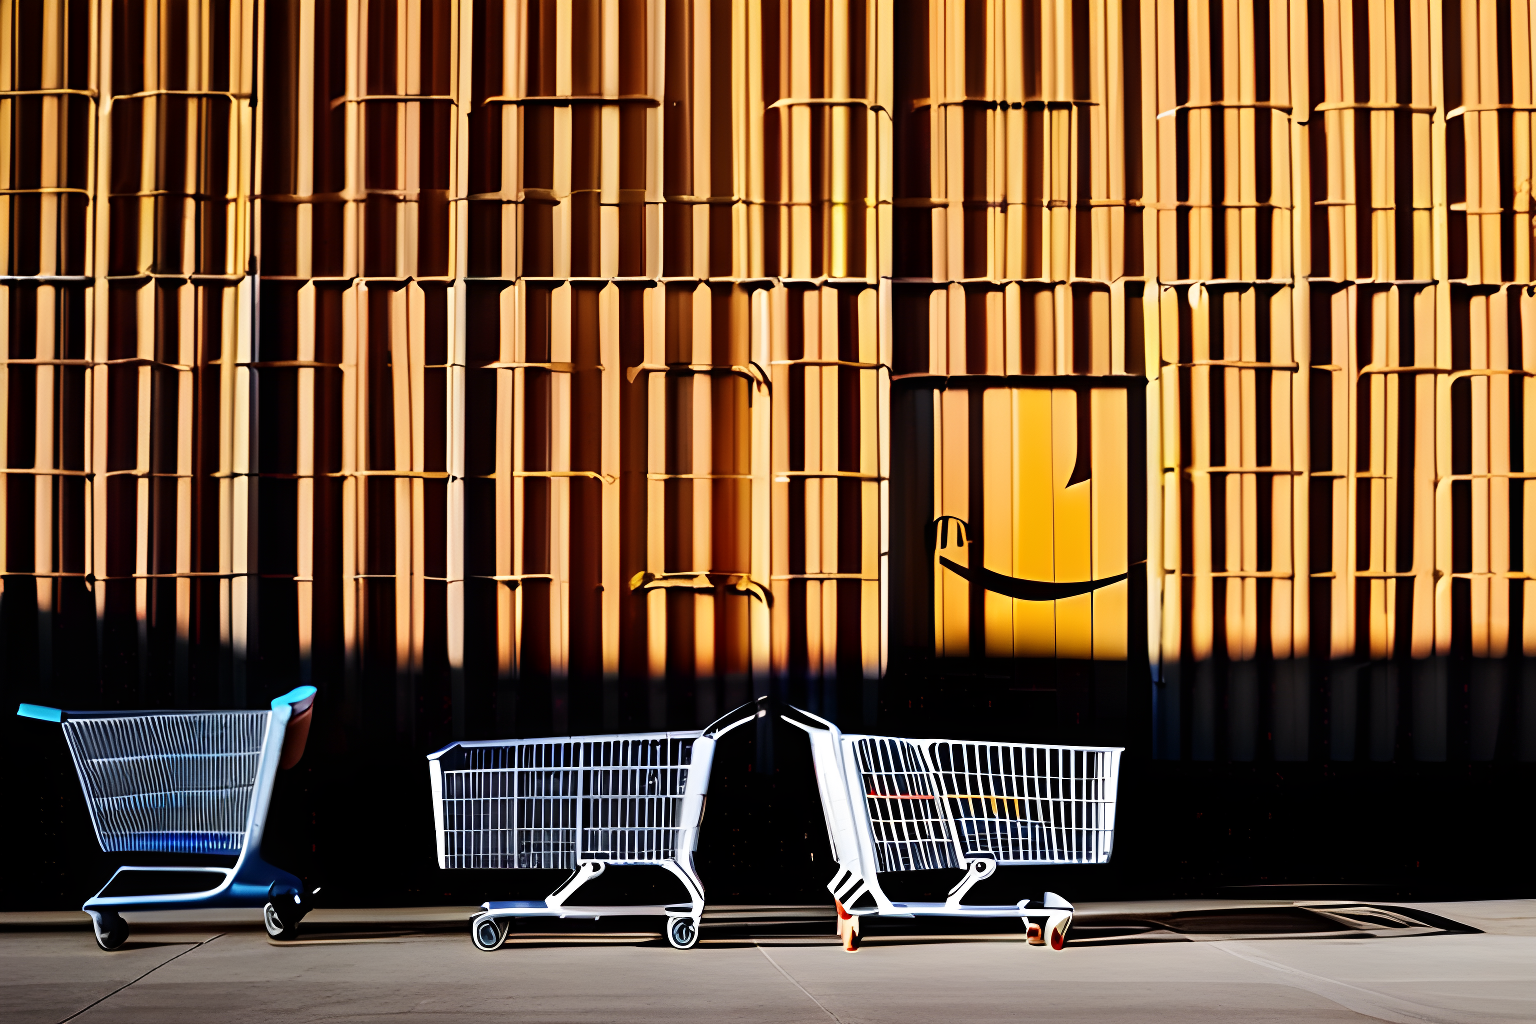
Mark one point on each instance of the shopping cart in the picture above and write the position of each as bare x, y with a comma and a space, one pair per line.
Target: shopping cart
580, 804
912, 805
186, 782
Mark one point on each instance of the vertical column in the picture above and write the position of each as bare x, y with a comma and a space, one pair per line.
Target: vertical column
171, 244
465, 77
1486, 131
829, 117
48, 117
1227, 373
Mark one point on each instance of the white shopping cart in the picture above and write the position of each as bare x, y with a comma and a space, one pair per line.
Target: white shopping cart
580, 804
186, 782
910, 805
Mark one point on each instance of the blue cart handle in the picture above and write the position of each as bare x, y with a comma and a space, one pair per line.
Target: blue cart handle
300, 697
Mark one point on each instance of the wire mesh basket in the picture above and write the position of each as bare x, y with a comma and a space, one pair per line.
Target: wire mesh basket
1027, 803
552, 803
173, 783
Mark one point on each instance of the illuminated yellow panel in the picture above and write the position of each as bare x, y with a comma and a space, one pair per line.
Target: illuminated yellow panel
1071, 539
997, 459
1033, 518
1053, 511
1110, 525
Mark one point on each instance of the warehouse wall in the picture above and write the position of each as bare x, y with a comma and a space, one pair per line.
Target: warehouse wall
514, 368
1338, 348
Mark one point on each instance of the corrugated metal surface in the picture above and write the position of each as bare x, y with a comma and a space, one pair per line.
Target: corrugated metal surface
1342, 257
128, 140
539, 365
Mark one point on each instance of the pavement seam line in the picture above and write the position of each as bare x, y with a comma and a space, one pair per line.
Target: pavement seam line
135, 981
1380, 1004
795, 983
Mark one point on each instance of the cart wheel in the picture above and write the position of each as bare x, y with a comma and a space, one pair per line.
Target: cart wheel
851, 938
489, 932
683, 932
275, 926
1034, 933
1059, 933
111, 931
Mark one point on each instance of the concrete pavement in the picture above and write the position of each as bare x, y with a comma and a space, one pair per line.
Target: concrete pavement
361, 966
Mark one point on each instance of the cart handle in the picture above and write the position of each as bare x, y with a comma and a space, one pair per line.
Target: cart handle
302, 700
741, 716
804, 719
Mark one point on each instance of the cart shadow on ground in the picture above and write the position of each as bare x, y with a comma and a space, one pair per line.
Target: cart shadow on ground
809, 927
134, 944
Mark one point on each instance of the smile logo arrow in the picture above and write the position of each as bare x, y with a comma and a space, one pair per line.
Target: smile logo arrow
1009, 586
1026, 590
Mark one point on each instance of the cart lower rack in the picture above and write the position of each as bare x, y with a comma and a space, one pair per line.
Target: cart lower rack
186, 782
580, 804
896, 804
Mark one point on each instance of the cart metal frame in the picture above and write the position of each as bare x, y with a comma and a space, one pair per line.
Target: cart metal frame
895, 804
583, 804
190, 782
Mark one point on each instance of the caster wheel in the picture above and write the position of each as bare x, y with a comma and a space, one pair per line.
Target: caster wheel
489, 933
683, 932
851, 937
111, 930
1034, 933
276, 928
1058, 937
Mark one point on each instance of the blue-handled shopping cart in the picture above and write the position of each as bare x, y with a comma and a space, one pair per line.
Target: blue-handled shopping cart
186, 782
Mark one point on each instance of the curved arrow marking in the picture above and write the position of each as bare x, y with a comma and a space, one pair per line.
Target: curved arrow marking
1026, 590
